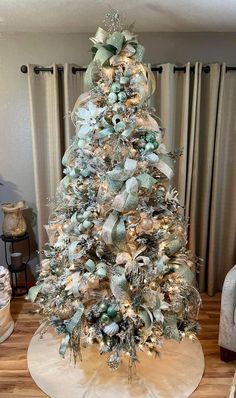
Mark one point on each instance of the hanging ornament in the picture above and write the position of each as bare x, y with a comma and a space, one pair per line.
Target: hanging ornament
67, 227
122, 96
111, 311
116, 87
146, 224
105, 318
111, 329
112, 98
65, 312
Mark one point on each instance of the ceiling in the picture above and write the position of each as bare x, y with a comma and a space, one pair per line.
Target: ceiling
150, 15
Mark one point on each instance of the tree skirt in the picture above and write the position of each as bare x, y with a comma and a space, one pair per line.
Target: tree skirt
176, 374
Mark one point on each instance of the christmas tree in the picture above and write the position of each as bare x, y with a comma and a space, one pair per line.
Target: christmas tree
117, 272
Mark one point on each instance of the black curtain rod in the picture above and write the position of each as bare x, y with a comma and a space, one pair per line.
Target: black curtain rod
159, 69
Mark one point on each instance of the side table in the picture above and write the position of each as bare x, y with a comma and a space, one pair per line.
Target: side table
17, 290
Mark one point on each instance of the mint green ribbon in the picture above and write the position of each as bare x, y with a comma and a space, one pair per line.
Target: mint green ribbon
119, 285
70, 327
106, 45
113, 45
64, 345
170, 327
33, 292
114, 232
75, 319
71, 251
128, 199
119, 234
185, 272
119, 175
146, 180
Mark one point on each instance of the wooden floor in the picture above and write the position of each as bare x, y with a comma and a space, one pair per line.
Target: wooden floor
15, 380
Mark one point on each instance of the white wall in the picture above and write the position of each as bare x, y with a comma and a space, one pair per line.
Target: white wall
16, 170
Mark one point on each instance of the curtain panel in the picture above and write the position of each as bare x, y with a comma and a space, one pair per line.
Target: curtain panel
197, 111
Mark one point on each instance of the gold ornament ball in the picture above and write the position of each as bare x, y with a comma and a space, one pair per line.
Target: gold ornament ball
65, 312
131, 232
146, 224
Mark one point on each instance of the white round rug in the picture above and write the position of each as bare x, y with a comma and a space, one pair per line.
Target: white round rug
176, 374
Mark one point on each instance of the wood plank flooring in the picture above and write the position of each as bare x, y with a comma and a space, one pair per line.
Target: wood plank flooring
16, 382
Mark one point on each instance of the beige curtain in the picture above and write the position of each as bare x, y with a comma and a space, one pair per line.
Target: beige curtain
171, 101
52, 97
222, 220
73, 86
197, 111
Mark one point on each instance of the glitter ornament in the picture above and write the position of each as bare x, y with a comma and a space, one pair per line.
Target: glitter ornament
146, 224
103, 307
65, 312
149, 147
111, 311
112, 98
116, 87
122, 96
67, 227
105, 318
87, 224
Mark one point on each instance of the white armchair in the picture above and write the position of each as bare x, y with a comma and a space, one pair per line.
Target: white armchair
227, 333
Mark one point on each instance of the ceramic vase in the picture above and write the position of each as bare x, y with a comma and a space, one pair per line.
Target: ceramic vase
14, 224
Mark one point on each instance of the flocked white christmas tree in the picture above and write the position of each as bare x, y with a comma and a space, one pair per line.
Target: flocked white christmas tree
117, 272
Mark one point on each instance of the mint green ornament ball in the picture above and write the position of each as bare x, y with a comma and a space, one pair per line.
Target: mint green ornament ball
156, 145
122, 96
87, 224
79, 217
149, 147
150, 137
116, 87
105, 318
86, 213
111, 311
112, 98
103, 307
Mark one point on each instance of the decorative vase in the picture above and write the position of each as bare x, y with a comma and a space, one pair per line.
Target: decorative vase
14, 224
6, 322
